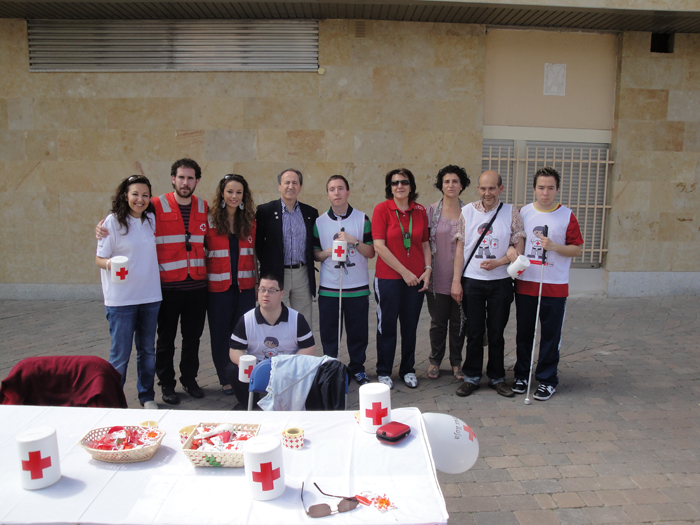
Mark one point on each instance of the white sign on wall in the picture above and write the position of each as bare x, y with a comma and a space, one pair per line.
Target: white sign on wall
554, 79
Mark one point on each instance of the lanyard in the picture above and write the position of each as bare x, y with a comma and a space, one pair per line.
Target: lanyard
406, 236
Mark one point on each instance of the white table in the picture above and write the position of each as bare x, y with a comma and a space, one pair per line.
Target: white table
167, 490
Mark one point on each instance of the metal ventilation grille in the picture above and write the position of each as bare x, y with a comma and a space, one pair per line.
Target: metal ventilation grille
173, 45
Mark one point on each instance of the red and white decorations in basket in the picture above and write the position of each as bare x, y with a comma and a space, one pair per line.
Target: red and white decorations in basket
122, 444
218, 444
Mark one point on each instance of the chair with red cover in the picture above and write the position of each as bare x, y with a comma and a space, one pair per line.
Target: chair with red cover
69, 381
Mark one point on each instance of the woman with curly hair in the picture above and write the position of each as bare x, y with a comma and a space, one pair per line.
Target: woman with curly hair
231, 266
132, 307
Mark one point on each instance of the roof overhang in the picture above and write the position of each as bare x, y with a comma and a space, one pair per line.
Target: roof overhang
596, 15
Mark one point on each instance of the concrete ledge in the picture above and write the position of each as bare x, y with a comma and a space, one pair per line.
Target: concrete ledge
50, 292
646, 284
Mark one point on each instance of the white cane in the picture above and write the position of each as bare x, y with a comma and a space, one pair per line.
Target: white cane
340, 306
339, 255
545, 230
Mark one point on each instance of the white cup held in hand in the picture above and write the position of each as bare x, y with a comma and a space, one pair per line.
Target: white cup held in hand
245, 367
517, 267
119, 269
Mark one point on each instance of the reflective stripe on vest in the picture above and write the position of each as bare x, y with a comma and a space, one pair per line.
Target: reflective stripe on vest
200, 205
246, 251
166, 205
217, 253
170, 239
219, 276
166, 267
243, 275
196, 262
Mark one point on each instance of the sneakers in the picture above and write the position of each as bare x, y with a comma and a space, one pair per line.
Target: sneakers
544, 392
519, 386
502, 389
361, 379
386, 380
169, 396
194, 390
410, 380
150, 405
466, 389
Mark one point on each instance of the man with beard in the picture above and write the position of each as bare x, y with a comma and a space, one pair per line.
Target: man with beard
181, 223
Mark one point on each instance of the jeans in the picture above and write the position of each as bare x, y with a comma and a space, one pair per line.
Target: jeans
355, 319
444, 319
127, 323
486, 305
189, 308
396, 301
552, 313
224, 310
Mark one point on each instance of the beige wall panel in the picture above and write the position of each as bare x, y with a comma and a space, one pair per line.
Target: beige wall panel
70, 113
343, 81
658, 166
407, 82
271, 145
634, 226
684, 106
657, 72
377, 146
678, 227
363, 114
458, 116
643, 104
223, 144
19, 113
294, 84
12, 145
632, 196
306, 145
4, 124
408, 114
41, 145
339, 145
651, 136
189, 143
216, 112
514, 79
691, 139
334, 49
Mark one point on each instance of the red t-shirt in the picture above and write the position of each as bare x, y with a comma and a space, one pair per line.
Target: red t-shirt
385, 225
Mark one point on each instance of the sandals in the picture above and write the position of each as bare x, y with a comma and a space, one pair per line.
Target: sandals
457, 372
433, 372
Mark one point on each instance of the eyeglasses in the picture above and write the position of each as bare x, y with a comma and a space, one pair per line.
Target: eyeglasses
188, 246
271, 291
402, 182
321, 510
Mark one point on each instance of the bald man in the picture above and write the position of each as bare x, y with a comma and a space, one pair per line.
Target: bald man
484, 288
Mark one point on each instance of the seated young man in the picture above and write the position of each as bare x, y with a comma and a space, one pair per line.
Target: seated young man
266, 331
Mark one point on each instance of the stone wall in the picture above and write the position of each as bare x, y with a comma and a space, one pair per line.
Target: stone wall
409, 95
655, 219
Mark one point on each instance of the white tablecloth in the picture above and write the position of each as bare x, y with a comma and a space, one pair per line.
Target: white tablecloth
337, 455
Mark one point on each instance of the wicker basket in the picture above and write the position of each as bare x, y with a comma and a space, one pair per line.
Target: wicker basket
226, 458
133, 455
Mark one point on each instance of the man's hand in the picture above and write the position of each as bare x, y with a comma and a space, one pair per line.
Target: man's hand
100, 232
425, 277
410, 279
490, 264
548, 244
345, 236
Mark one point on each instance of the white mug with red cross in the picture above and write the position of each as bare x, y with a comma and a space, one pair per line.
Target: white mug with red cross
375, 406
39, 463
245, 367
119, 269
340, 251
264, 469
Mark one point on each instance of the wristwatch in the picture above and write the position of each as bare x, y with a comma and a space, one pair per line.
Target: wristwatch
356, 244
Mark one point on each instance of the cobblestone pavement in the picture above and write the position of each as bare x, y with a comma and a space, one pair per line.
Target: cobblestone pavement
618, 443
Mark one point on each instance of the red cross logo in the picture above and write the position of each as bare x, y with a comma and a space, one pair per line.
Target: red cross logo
339, 251
377, 413
470, 432
248, 371
36, 464
538, 243
122, 273
520, 272
266, 476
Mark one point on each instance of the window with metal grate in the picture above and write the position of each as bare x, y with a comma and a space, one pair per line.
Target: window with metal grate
173, 45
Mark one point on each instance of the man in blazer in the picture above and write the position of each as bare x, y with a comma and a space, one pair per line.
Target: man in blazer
284, 242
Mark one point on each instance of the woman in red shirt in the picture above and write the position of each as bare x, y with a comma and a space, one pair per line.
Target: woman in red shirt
401, 234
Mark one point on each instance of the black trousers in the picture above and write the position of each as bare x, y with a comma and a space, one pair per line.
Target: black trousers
189, 309
487, 306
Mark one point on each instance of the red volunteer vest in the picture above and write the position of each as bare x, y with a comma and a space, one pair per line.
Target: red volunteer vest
219, 261
174, 261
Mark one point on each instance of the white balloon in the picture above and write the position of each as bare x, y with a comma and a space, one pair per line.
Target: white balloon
454, 444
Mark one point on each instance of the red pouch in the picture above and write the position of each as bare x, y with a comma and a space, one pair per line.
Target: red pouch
393, 432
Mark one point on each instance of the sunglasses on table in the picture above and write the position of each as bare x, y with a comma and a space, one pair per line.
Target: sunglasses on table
321, 510
403, 182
